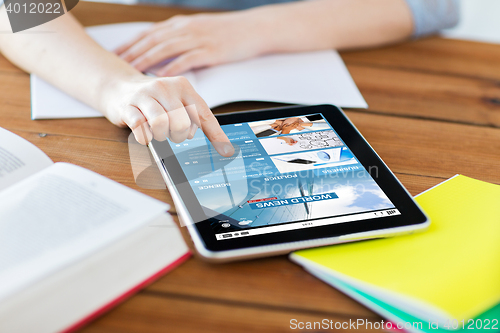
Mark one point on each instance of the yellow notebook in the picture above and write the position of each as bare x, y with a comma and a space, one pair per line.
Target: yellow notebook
451, 271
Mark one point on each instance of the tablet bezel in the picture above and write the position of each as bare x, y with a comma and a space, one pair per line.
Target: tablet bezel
411, 216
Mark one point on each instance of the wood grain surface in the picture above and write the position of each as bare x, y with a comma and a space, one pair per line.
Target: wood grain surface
434, 112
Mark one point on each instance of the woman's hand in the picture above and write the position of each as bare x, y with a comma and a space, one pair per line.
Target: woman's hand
290, 124
196, 41
163, 108
289, 141
152, 107
277, 125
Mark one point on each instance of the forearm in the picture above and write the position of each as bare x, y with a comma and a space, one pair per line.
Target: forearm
332, 24
62, 53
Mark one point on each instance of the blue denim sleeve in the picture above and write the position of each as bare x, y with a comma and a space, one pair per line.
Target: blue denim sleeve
430, 16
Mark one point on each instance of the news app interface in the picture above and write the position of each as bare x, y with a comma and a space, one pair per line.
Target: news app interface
286, 174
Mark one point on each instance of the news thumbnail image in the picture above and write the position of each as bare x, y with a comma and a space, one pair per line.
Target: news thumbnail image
300, 142
292, 125
311, 160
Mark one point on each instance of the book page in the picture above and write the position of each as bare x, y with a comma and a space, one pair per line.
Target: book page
61, 215
97, 281
19, 159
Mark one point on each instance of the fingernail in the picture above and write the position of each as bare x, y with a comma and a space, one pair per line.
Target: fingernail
143, 134
228, 149
193, 130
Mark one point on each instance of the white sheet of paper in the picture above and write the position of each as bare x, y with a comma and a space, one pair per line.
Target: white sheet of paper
300, 78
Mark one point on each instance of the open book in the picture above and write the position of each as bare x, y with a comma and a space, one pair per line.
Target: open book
73, 243
299, 78
447, 278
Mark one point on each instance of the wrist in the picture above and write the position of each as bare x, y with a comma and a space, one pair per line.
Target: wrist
114, 92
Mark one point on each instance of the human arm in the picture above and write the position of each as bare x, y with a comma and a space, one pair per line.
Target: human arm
62, 53
210, 39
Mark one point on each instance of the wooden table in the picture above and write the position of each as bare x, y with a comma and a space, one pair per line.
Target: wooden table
434, 112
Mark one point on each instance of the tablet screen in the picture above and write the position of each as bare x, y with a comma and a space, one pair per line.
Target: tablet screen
286, 174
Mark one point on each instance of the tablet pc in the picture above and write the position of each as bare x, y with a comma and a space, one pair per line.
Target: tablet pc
311, 181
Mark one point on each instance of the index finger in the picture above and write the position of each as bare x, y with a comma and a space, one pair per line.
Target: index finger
210, 126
